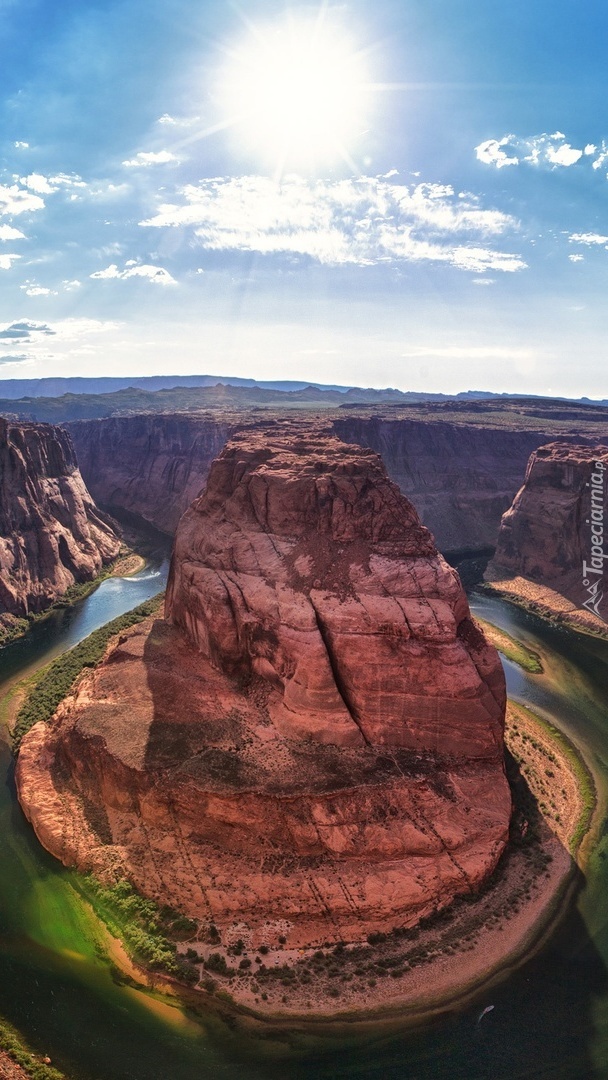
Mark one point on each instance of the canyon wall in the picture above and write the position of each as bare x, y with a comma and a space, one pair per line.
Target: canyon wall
460, 477
553, 535
51, 532
150, 466
314, 745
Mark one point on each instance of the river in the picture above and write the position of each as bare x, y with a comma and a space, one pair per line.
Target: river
550, 1017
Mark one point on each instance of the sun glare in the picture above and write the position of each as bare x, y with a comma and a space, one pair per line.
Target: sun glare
296, 92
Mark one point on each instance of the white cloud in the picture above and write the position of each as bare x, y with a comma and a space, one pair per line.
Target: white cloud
576, 258
6, 261
563, 155
178, 121
491, 153
156, 274
47, 185
7, 232
20, 145
69, 286
16, 200
31, 288
76, 329
469, 352
15, 358
601, 156
549, 150
363, 222
144, 160
589, 239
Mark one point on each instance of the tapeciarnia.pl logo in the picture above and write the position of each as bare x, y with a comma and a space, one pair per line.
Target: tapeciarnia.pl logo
593, 571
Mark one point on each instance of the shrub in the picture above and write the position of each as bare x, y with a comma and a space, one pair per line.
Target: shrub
59, 677
217, 963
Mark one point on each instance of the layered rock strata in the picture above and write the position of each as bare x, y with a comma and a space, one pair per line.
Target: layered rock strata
149, 466
461, 477
553, 541
311, 743
51, 532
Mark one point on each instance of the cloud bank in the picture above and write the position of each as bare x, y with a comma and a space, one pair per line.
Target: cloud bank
360, 222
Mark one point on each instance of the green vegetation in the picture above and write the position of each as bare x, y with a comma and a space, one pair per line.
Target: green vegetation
584, 778
56, 680
12, 1043
513, 650
144, 927
11, 628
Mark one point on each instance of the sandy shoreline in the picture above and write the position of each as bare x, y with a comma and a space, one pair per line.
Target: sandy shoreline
445, 984
547, 604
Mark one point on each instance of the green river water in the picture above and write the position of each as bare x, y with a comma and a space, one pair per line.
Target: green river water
550, 1017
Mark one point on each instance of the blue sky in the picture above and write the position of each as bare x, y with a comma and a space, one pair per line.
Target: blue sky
450, 233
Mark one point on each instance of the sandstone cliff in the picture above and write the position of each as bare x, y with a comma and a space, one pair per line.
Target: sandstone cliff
150, 466
311, 744
553, 535
51, 532
460, 477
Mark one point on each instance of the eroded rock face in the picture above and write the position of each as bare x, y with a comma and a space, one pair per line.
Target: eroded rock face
460, 477
312, 739
150, 466
557, 520
51, 532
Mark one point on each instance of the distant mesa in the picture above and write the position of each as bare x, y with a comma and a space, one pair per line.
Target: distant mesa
312, 738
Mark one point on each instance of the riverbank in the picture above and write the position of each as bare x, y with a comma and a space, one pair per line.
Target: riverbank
126, 564
547, 604
511, 649
37, 698
18, 1062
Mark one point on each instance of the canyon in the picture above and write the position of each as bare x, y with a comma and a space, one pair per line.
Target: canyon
460, 463
551, 544
51, 532
308, 747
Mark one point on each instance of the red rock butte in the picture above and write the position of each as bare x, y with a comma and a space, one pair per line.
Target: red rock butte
311, 743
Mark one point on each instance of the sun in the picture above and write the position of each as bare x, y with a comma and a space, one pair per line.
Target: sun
296, 91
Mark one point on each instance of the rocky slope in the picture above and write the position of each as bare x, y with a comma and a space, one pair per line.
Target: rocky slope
51, 532
310, 745
553, 535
